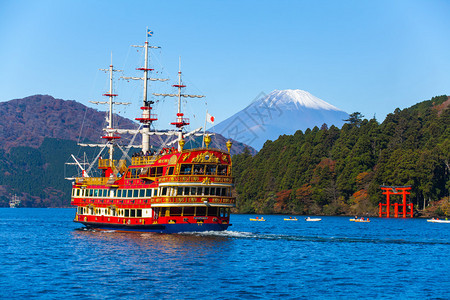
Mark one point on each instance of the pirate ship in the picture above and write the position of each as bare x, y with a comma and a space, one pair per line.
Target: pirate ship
167, 190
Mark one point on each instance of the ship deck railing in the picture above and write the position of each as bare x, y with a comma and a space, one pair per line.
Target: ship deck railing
92, 180
144, 160
108, 163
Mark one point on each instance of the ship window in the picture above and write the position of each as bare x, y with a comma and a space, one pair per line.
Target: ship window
224, 191
170, 171
222, 170
135, 193
175, 211
132, 213
130, 194
212, 191
95, 193
206, 191
193, 190
189, 211
159, 171
185, 169
199, 169
179, 191
73, 192
186, 191
119, 193
164, 212
127, 212
199, 191
224, 212
201, 211
163, 191
139, 213
212, 211
210, 169
141, 193
152, 172
148, 193
91, 192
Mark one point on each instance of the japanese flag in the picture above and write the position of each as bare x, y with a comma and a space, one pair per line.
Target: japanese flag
209, 118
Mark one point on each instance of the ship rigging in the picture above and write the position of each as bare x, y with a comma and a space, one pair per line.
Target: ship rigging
169, 190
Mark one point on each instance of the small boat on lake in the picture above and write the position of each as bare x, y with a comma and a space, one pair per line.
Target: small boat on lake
308, 219
14, 202
290, 219
433, 220
362, 220
258, 219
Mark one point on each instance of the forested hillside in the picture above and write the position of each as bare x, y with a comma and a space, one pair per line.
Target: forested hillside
36, 175
339, 171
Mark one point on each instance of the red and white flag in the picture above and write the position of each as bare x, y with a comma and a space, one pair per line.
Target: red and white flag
209, 118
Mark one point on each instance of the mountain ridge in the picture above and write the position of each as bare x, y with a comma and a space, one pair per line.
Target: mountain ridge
27, 121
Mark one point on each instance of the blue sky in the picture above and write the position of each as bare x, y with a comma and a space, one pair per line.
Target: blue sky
366, 56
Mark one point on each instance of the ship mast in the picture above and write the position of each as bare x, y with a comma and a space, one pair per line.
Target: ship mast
110, 137
180, 120
147, 117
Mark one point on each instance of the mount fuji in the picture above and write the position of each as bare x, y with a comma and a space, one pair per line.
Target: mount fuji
280, 112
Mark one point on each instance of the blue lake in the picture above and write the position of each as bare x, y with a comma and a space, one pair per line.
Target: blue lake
43, 254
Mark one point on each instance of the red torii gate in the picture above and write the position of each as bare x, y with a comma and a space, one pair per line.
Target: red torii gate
396, 190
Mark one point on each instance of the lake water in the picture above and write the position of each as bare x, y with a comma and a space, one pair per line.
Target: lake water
43, 254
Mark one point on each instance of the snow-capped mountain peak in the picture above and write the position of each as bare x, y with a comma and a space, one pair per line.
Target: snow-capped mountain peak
299, 98
280, 112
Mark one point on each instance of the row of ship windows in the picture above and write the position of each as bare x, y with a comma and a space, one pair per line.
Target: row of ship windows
159, 211
142, 193
185, 169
